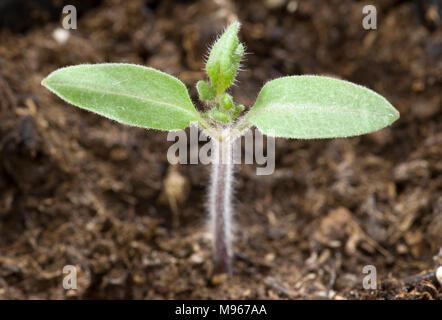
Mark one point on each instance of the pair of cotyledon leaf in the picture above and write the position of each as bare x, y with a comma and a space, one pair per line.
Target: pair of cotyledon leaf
303, 107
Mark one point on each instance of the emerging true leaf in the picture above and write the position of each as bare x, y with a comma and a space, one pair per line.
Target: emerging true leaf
128, 93
219, 116
238, 109
224, 59
205, 90
227, 102
308, 107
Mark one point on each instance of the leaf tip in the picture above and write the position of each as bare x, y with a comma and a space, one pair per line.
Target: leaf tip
44, 82
394, 113
234, 25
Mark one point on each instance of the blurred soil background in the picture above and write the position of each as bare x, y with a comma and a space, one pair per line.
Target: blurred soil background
77, 189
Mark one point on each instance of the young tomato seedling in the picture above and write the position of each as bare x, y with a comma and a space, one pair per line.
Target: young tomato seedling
301, 107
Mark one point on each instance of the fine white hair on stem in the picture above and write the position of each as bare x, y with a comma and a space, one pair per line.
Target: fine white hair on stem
220, 207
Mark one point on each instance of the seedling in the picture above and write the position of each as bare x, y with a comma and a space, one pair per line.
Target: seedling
300, 107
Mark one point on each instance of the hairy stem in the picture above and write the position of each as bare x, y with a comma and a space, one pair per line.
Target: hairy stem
220, 204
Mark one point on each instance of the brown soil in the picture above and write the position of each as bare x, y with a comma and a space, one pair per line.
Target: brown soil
77, 189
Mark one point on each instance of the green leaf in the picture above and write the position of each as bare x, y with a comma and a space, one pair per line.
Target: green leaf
205, 90
308, 107
227, 102
128, 93
238, 109
219, 116
224, 59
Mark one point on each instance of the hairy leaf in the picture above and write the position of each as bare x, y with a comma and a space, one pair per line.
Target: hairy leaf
128, 93
308, 107
224, 58
205, 90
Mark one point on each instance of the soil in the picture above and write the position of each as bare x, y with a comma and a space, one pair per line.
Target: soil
77, 189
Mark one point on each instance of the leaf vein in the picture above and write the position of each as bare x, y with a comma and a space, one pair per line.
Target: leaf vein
331, 109
125, 93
